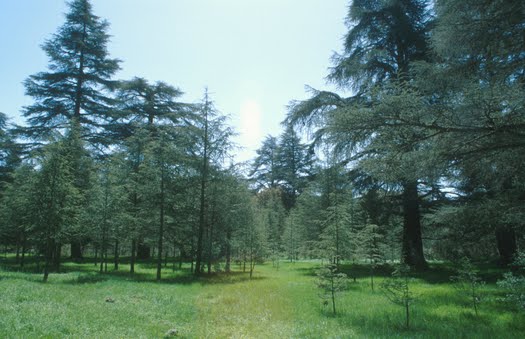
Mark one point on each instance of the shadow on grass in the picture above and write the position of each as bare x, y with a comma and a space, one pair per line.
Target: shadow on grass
357, 271
90, 274
437, 273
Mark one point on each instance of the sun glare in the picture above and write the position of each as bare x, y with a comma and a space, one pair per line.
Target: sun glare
250, 127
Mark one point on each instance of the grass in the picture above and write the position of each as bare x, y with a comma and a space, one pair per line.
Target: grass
280, 303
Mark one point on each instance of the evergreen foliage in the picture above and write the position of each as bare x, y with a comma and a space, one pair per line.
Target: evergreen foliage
79, 76
331, 282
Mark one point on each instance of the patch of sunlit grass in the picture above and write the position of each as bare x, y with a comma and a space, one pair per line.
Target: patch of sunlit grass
281, 303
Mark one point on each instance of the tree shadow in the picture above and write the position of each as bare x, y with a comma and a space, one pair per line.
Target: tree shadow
172, 277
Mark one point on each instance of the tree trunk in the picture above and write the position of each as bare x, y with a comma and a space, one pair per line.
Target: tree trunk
105, 261
102, 259
56, 257
333, 295
116, 256
181, 256
210, 246
143, 251
17, 257
506, 242
407, 313
24, 248
76, 251
133, 253
412, 246
204, 178
161, 226
48, 257
227, 267
252, 266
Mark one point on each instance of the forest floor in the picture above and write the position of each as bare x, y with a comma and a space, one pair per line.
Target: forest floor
275, 303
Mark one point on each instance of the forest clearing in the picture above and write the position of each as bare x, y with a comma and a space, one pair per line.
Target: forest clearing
278, 302
388, 201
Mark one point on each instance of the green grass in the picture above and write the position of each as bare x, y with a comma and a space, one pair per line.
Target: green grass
280, 303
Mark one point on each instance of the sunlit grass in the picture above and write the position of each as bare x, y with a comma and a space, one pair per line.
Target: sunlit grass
282, 303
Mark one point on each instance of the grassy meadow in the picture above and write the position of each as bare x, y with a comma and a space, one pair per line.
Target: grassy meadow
276, 303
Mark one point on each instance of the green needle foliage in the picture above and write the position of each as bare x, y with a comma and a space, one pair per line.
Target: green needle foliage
469, 283
78, 78
331, 282
514, 284
397, 290
370, 240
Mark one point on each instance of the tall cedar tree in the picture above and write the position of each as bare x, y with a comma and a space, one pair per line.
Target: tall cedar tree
480, 84
74, 89
79, 75
148, 114
468, 102
384, 38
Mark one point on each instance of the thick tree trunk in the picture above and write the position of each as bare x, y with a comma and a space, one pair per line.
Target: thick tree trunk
507, 245
412, 246
76, 251
143, 251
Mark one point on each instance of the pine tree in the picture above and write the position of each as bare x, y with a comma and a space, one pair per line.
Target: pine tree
336, 237
331, 282
55, 203
75, 86
397, 290
264, 170
294, 165
17, 222
370, 240
147, 114
10, 153
211, 149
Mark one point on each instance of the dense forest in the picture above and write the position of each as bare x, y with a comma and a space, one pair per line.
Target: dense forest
421, 160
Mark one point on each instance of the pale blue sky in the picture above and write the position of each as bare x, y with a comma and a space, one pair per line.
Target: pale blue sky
253, 55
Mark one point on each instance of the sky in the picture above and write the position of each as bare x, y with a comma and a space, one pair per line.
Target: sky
254, 56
